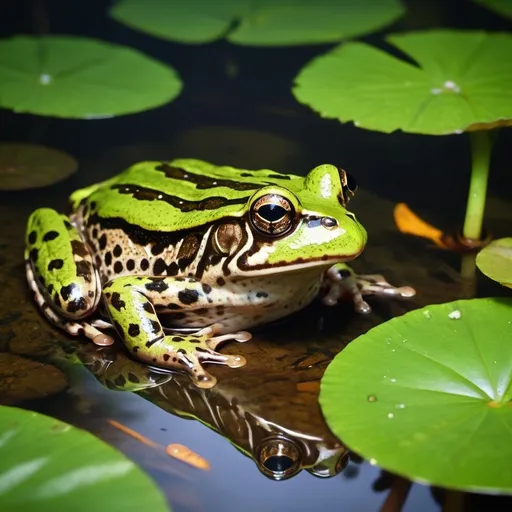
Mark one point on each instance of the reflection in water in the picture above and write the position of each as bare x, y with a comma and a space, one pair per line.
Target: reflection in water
281, 449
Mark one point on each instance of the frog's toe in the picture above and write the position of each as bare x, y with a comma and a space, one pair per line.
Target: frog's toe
210, 356
103, 340
375, 284
343, 283
214, 341
200, 377
193, 362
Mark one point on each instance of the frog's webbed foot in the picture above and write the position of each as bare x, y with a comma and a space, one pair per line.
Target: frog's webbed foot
190, 351
341, 282
130, 303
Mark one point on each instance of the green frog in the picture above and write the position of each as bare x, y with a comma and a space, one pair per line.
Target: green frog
179, 257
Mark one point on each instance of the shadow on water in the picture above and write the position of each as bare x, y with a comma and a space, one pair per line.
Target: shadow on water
268, 409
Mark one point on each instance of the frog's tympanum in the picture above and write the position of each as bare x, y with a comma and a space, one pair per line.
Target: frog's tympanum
188, 244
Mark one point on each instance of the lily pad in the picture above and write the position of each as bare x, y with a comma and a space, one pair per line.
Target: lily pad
495, 261
25, 166
461, 82
76, 77
258, 22
24, 379
429, 395
502, 7
46, 464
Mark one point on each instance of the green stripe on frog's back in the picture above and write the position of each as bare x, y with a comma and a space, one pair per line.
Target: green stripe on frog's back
181, 194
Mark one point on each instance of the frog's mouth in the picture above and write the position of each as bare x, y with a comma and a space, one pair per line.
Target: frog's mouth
298, 265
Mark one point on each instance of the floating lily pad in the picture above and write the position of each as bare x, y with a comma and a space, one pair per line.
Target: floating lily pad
186, 21
46, 464
31, 166
288, 22
502, 7
495, 261
461, 82
429, 395
259, 22
83, 78
24, 379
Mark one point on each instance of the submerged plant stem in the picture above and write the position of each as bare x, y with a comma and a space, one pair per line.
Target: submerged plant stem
397, 495
453, 501
480, 159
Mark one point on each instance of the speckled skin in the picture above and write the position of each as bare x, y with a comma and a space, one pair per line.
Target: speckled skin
202, 246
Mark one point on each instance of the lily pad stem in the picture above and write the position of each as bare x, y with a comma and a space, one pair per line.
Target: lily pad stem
481, 146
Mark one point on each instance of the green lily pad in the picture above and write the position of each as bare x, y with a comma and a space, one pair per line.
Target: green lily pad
25, 166
258, 22
185, 21
75, 77
495, 261
429, 395
502, 7
46, 464
461, 82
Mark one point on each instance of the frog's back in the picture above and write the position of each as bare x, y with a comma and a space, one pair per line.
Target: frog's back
179, 194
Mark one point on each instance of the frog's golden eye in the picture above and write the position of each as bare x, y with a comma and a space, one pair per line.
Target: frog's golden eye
348, 185
272, 215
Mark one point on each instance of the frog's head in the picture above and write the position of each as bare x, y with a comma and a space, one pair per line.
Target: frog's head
303, 225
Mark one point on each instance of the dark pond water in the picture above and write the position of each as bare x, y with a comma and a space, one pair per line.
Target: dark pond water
250, 121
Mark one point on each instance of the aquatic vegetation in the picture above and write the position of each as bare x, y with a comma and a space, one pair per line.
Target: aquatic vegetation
495, 261
76, 77
428, 395
25, 166
458, 82
257, 23
48, 464
502, 7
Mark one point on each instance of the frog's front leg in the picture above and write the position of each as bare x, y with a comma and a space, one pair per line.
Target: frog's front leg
131, 303
61, 273
341, 281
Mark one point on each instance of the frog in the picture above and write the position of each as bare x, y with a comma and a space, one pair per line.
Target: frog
177, 257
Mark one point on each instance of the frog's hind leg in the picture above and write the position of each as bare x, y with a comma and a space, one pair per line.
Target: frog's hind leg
131, 301
60, 272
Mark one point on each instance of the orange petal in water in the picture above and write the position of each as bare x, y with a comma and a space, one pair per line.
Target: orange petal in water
181, 452
133, 433
409, 223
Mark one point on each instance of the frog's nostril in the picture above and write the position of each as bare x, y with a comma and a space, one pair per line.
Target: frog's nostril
329, 222
278, 458
350, 215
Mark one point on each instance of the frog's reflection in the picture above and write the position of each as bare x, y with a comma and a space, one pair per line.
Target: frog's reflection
281, 429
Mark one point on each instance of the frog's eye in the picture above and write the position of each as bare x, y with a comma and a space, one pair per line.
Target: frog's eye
272, 215
348, 187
